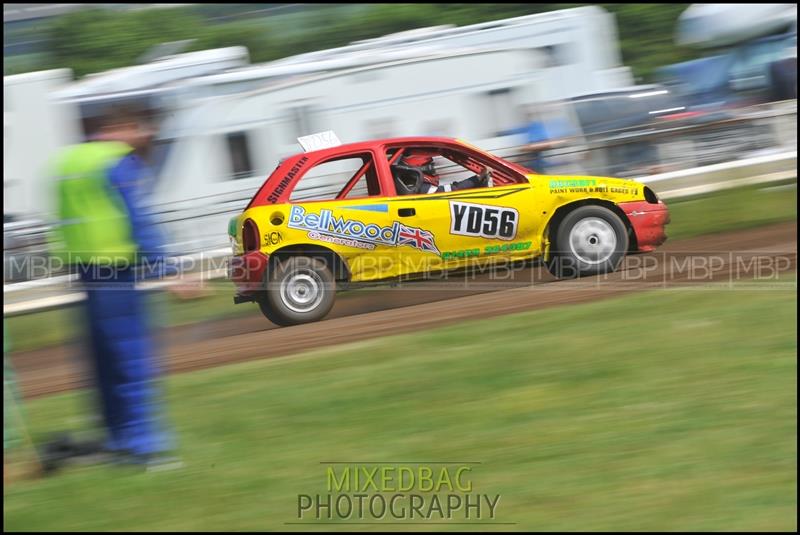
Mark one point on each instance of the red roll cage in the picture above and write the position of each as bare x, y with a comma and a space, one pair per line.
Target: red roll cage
280, 184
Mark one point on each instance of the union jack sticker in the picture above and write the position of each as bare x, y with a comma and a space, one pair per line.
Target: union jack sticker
417, 238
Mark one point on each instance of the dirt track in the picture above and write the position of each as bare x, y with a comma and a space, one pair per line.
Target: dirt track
745, 255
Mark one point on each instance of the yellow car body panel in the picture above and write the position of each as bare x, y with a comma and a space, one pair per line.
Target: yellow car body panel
386, 237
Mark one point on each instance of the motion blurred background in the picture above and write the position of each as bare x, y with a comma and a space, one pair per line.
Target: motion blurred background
619, 90
690, 424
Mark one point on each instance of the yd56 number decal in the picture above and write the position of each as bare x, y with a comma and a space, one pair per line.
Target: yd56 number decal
480, 220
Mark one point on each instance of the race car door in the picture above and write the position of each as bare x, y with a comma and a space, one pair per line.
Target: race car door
337, 204
480, 226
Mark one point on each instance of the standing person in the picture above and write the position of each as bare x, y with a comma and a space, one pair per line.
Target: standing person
546, 128
105, 233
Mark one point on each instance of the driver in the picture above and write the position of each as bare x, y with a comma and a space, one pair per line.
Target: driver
430, 177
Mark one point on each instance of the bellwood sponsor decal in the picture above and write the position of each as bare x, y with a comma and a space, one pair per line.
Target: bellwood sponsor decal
326, 224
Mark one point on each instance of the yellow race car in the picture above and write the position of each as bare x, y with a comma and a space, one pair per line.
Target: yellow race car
406, 207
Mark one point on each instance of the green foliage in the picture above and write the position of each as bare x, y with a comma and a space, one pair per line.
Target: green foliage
252, 36
646, 35
95, 40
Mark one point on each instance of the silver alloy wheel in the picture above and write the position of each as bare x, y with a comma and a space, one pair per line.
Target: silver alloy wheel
302, 291
592, 240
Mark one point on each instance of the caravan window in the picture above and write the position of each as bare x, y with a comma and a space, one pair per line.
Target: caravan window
302, 120
239, 151
500, 111
348, 177
558, 55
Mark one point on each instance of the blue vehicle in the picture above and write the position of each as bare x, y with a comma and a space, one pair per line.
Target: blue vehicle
753, 55
742, 75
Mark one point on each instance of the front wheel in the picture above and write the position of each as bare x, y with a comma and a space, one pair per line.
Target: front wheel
300, 289
590, 240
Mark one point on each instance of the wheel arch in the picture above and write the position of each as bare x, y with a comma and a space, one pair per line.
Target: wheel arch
562, 211
337, 265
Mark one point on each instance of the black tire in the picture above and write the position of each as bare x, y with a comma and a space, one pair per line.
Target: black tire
590, 240
299, 289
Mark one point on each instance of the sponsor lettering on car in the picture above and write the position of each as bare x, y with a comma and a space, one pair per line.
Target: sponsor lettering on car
281, 187
489, 249
325, 223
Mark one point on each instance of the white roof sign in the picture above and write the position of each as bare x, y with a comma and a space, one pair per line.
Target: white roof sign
318, 141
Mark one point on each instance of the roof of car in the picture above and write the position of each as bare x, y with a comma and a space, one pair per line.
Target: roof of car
367, 145
289, 167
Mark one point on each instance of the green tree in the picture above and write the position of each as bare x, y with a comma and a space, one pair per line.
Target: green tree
95, 40
646, 34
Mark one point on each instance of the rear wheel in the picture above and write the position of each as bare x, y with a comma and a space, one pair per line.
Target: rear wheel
300, 289
588, 241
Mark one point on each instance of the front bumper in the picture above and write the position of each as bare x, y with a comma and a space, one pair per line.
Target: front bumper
648, 221
247, 273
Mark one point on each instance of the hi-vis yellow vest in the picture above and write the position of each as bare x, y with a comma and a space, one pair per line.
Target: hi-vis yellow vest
94, 225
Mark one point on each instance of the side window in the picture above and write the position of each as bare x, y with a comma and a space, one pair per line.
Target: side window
452, 165
359, 190
239, 152
449, 171
456, 166
330, 179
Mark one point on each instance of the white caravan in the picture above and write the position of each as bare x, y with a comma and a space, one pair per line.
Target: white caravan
580, 46
559, 54
223, 148
34, 128
43, 111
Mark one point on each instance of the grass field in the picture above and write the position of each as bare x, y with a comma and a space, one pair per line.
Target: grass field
727, 210
26, 331
666, 410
